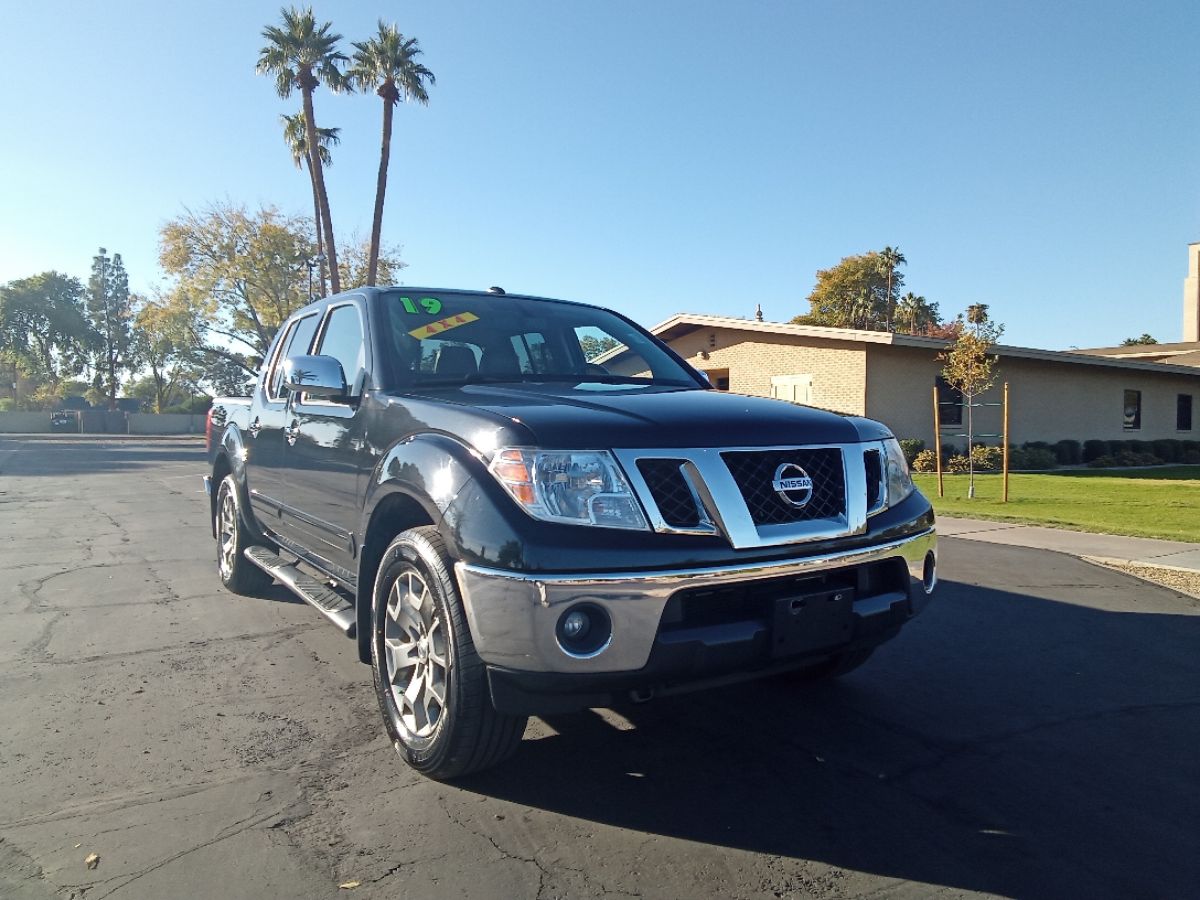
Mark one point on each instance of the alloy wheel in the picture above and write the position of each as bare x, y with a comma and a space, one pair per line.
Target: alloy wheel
416, 654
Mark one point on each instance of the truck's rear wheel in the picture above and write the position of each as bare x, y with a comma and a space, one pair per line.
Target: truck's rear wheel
431, 684
237, 573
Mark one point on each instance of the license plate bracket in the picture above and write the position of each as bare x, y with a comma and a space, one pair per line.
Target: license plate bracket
810, 622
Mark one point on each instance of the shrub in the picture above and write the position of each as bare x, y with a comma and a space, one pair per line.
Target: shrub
1191, 457
1115, 448
925, 461
7, 404
987, 458
1190, 446
1167, 449
958, 465
1031, 459
1093, 450
1102, 462
911, 447
1068, 453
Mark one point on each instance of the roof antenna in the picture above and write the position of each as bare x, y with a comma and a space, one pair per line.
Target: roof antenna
495, 290
758, 312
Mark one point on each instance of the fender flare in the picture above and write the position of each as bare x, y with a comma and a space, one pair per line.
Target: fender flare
414, 482
232, 451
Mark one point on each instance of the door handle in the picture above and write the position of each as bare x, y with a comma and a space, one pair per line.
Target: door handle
255, 427
292, 432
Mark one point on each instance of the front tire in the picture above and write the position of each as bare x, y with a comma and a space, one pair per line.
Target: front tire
237, 573
431, 685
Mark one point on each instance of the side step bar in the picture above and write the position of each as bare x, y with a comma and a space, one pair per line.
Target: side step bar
328, 602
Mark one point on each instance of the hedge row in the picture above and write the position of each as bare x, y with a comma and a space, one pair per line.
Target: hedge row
1044, 455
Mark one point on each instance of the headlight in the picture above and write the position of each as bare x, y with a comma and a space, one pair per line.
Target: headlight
578, 487
899, 482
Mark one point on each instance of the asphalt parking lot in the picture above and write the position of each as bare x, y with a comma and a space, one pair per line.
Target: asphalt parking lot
1035, 734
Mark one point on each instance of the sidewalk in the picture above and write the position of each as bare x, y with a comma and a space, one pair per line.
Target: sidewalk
1108, 548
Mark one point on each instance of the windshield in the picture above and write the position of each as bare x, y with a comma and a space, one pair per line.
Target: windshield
437, 338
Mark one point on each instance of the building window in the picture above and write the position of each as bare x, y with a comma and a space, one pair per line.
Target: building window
718, 378
950, 403
1133, 410
1183, 412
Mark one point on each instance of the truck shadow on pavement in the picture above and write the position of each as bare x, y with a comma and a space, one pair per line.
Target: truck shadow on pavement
90, 457
1008, 743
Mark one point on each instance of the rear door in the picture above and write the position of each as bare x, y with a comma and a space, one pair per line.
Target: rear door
325, 447
264, 435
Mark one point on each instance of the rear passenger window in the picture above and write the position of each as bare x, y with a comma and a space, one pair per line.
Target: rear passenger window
294, 344
343, 340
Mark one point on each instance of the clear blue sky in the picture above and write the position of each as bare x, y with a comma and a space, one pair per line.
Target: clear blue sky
655, 157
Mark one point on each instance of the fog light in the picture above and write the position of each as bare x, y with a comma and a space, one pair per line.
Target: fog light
575, 625
584, 631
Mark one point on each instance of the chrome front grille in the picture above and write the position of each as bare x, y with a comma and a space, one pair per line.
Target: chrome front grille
754, 471
730, 491
669, 488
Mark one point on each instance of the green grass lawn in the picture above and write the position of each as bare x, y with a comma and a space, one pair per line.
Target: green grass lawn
1160, 502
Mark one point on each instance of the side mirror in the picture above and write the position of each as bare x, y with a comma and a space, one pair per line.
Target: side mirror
317, 376
704, 375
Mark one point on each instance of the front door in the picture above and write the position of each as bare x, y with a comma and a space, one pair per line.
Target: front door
325, 450
264, 440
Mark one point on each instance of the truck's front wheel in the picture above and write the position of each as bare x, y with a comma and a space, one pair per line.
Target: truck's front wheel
431, 684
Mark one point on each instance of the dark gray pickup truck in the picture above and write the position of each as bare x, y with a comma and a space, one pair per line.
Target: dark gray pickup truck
521, 506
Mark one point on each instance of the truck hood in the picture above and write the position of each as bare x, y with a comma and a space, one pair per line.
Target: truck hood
596, 416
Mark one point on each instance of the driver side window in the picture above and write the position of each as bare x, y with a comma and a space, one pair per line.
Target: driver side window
343, 340
294, 344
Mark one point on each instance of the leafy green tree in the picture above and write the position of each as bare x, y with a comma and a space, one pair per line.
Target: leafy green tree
240, 273
164, 340
891, 258
969, 368
387, 64
915, 314
44, 333
355, 261
110, 312
1137, 341
237, 275
295, 135
594, 347
304, 55
852, 294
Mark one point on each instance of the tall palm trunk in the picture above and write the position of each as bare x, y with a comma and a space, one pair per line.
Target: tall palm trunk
889, 299
317, 220
314, 163
385, 153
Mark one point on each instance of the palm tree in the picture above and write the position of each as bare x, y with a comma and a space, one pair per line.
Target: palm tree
388, 63
891, 257
303, 55
918, 312
295, 135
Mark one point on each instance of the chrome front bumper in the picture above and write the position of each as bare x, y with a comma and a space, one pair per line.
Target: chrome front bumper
513, 616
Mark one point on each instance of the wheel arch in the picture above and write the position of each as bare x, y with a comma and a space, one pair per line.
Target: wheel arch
395, 512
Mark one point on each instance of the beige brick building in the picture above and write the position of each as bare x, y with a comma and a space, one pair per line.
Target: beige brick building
891, 377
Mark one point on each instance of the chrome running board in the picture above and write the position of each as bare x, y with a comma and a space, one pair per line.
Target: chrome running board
328, 602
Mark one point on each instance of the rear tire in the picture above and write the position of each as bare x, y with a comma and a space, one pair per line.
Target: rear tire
237, 573
431, 684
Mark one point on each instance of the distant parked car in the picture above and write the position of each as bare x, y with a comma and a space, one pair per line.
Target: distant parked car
64, 422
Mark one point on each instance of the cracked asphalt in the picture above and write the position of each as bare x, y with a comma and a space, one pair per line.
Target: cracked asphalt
1036, 733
